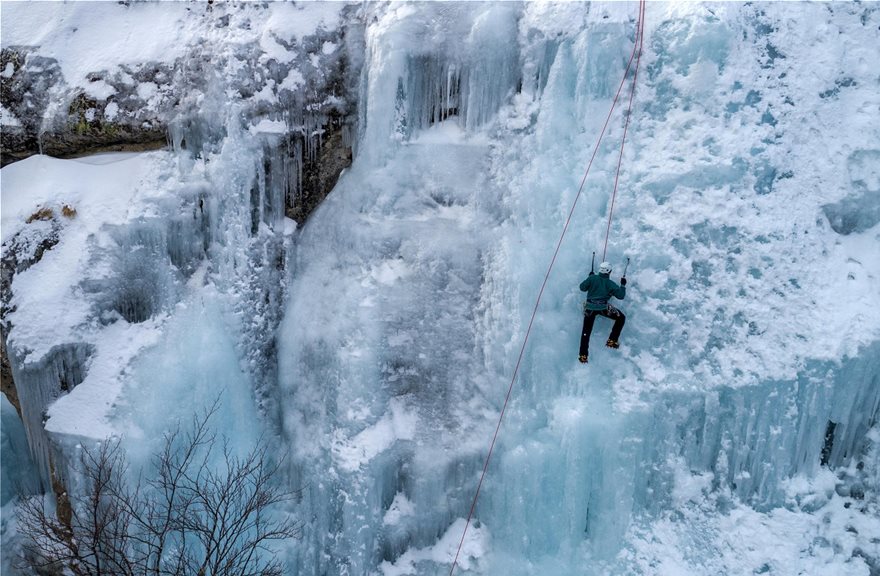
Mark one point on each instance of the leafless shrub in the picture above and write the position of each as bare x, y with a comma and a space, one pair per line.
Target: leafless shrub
190, 517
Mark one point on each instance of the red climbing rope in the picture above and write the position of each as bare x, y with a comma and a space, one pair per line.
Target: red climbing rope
632, 91
636, 50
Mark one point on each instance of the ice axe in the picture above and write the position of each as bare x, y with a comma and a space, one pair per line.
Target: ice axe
625, 267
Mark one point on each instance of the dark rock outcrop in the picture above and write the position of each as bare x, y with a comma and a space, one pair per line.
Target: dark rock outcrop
52, 118
321, 173
154, 104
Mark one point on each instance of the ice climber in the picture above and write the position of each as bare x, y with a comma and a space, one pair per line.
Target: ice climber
599, 289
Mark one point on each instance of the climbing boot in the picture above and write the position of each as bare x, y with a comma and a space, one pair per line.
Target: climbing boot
582, 358
612, 343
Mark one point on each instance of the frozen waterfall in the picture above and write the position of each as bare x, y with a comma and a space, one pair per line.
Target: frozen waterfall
734, 432
415, 279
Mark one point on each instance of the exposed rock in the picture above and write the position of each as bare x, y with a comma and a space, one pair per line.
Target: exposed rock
25, 95
319, 175
20, 252
7, 384
48, 117
153, 104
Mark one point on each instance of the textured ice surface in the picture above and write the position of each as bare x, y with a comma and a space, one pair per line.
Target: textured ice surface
750, 318
19, 475
201, 225
747, 204
384, 320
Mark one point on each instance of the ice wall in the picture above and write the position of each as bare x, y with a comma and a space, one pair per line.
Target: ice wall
739, 352
378, 343
19, 473
40, 384
18, 476
162, 288
428, 63
733, 259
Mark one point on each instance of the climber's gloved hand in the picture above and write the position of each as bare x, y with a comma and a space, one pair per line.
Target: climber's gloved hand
623, 281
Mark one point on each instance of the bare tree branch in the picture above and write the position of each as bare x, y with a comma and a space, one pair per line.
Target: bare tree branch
203, 510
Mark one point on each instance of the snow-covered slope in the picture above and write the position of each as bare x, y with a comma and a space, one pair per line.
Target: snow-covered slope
735, 431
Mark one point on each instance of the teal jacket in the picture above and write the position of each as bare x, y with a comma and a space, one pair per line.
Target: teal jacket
599, 288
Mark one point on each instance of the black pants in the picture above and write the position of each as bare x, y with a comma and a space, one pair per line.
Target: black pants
590, 317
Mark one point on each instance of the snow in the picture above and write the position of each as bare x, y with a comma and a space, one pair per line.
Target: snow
101, 36
85, 412
296, 21
111, 110
51, 305
147, 90
472, 550
7, 118
293, 80
697, 539
290, 226
368, 443
100, 90
267, 93
91, 37
269, 127
274, 50
400, 508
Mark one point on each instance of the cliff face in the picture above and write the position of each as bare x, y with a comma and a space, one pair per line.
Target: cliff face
45, 115
307, 79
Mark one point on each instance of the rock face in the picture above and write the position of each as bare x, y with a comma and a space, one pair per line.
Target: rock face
309, 83
320, 172
47, 116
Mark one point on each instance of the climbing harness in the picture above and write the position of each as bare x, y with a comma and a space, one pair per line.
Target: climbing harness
637, 51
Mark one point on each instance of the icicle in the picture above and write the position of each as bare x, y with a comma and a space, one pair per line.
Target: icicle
38, 384
19, 475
